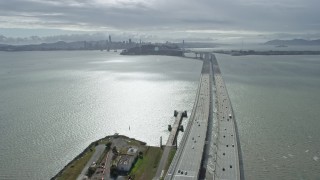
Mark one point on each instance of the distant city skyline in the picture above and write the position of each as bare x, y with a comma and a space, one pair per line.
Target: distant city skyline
221, 21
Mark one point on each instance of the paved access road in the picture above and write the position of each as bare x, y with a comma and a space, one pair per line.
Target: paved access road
96, 155
171, 143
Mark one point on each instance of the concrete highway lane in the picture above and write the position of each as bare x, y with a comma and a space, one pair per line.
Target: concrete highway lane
186, 163
227, 155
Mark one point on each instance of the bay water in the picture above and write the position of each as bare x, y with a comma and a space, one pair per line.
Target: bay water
277, 107
54, 104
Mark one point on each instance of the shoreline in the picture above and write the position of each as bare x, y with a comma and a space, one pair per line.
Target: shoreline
93, 144
265, 53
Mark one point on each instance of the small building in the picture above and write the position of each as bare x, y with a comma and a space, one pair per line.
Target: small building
125, 163
132, 151
127, 160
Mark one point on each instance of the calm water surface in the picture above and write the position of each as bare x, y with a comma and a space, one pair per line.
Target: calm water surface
277, 106
54, 104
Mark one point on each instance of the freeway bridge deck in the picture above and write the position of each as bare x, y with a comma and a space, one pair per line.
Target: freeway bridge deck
187, 161
227, 155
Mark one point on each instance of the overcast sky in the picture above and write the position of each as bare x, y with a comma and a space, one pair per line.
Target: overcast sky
203, 20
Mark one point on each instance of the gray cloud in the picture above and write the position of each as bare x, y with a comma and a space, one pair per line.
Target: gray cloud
201, 18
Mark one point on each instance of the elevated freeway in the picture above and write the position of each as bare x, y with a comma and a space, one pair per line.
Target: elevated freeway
204, 139
227, 152
187, 161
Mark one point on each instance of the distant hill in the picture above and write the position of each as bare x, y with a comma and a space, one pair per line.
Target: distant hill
198, 45
61, 45
93, 45
293, 42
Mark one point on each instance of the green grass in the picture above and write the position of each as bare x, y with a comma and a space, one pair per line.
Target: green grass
105, 152
123, 150
104, 141
132, 142
146, 168
73, 170
170, 158
137, 165
157, 159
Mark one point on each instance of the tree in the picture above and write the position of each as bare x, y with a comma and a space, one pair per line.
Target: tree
108, 145
113, 170
140, 154
91, 171
114, 150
